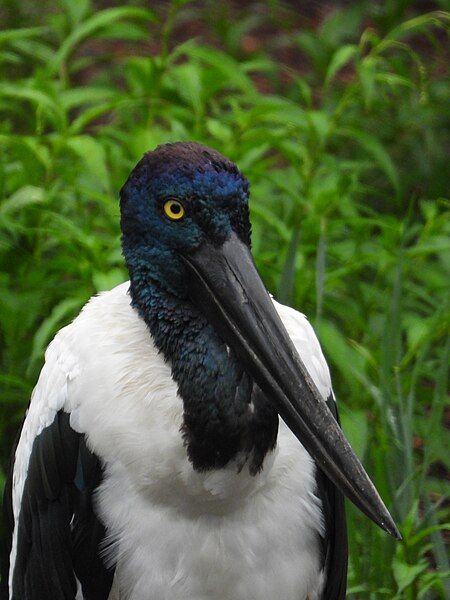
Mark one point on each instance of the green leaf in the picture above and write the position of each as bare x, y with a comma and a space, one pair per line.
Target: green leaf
348, 361
231, 71
131, 32
34, 50
356, 428
340, 58
320, 124
11, 35
436, 18
375, 148
405, 574
10, 381
109, 280
188, 83
60, 313
218, 130
37, 97
92, 154
77, 11
79, 96
97, 22
367, 71
267, 216
26, 195
394, 80
31, 145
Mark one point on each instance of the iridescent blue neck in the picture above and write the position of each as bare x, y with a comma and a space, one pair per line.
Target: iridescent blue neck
224, 415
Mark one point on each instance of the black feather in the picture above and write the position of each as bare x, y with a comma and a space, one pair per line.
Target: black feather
334, 544
88, 532
8, 523
59, 536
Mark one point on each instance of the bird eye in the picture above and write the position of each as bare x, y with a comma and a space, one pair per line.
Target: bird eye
174, 210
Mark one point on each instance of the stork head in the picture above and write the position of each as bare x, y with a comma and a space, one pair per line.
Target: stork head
179, 198
186, 229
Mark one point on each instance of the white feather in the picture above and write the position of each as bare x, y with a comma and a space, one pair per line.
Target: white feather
178, 534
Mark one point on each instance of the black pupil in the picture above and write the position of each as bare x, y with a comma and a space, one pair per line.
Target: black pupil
176, 208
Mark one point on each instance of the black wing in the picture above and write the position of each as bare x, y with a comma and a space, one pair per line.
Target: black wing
59, 536
335, 544
7, 523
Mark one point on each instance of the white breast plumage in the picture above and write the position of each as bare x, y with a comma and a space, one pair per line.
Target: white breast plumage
177, 533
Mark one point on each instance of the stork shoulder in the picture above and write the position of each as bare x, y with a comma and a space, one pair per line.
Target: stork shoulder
307, 345
66, 361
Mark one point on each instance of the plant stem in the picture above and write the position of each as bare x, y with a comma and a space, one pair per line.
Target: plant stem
286, 288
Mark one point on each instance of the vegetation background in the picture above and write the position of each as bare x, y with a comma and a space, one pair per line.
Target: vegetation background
337, 112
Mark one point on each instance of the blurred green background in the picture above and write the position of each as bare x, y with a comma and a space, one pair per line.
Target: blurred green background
337, 112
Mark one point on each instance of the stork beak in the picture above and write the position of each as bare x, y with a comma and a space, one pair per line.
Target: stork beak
226, 287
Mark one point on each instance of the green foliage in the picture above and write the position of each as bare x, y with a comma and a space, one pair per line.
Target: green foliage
350, 223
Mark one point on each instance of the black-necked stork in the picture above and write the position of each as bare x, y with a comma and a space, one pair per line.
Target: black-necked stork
182, 441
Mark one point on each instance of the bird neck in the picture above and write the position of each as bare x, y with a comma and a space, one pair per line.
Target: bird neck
225, 415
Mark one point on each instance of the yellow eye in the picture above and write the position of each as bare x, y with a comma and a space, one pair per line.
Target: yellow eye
174, 210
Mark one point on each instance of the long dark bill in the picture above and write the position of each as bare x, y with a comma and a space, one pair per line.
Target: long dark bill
226, 286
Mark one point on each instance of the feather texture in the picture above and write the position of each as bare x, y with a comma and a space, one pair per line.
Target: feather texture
171, 532
57, 534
